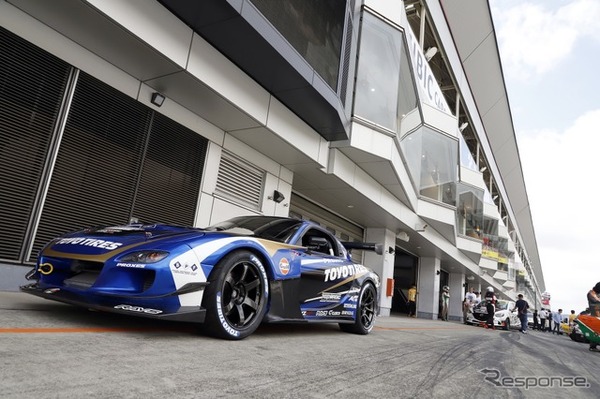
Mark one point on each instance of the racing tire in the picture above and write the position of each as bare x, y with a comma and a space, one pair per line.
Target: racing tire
236, 297
573, 337
507, 325
366, 309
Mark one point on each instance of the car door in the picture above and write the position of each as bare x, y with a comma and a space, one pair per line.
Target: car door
328, 288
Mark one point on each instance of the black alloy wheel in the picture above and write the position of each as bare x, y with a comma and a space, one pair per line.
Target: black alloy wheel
236, 298
365, 312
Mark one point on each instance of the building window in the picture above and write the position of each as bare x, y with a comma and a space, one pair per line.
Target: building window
385, 88
378, 74
432, 160
314, 28
466, 158
469, 212
494, 246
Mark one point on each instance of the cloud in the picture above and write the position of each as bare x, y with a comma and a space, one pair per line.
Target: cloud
560, 170
534, 39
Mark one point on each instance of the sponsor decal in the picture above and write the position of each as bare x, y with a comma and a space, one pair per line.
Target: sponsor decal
350, 305
339, 272
184, 268
133, 265
284, 266
347, 313
321, 261
330, 297
138, 309
90, 242
233, 332
335, 296
327, 313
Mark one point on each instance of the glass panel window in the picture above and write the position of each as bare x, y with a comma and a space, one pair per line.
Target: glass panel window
470, 211
494, 246
433, 163
313, 27
378, 73
407, 96
466, 158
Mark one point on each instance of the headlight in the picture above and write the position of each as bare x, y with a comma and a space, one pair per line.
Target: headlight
499, 315
144, 256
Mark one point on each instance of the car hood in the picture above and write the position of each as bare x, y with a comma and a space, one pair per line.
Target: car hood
103, 240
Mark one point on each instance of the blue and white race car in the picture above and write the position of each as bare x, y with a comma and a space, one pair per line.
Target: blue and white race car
232, 276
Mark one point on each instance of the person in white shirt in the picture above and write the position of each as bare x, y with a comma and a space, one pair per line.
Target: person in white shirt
470, 295
543, 316
557, 319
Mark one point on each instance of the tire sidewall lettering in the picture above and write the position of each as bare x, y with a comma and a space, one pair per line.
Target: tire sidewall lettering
230, 330
263, 272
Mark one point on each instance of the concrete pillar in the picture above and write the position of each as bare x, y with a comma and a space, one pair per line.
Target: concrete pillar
383, 265
428, 305
457, 293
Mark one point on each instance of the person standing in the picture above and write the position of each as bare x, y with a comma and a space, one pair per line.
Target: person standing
536, 325
557, 318
445, 302
543, 316
572, 317
412, 301
468, 303
477, 298
490, 305
593, 298
522, 307
549, 318
466, 306
470, 296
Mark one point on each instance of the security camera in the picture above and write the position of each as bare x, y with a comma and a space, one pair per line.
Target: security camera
421, 226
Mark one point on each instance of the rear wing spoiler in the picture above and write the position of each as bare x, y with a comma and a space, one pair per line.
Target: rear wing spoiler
364, 246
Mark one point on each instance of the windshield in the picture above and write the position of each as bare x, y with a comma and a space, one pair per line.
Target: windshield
502, 305
271, 228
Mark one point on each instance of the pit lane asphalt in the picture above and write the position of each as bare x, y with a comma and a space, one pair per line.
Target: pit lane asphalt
52, 350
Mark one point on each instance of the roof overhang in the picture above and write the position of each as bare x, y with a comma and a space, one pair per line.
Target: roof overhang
477, 52
240, 32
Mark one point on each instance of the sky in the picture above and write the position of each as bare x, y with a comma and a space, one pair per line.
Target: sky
550, 54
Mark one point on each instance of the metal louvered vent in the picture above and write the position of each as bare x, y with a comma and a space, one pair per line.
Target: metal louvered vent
346, 60
32, 84
98, 161
170, 177
239, 182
